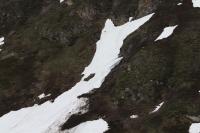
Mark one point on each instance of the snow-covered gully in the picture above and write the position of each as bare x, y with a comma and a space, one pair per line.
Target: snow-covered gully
48, 117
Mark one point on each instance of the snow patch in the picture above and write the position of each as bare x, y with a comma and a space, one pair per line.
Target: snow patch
168, 31
96, 126
1, 40
48, 117
61, 1
130, 19
180, 4
43, 96
196, 3
157, 108
195, 128
134, 116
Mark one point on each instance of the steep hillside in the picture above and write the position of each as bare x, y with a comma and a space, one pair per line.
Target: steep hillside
130, 81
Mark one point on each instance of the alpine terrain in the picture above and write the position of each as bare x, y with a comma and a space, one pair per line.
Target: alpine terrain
100, 66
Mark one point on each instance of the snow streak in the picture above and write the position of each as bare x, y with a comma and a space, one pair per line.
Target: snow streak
157, 108
168, 31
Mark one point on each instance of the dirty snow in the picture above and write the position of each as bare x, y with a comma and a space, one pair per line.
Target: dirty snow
96, 126
196, 3
1, 40
157, 108
48, 117
43, 95
195, 128
168, 31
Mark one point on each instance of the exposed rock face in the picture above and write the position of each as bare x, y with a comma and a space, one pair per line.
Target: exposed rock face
48, 44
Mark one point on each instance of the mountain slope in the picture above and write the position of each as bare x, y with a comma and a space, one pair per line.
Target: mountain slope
48, 50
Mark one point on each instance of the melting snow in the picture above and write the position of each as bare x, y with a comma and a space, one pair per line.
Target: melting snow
195, 128
157, 108
196, 3
48, 117
1, 40
43, 96
166, 32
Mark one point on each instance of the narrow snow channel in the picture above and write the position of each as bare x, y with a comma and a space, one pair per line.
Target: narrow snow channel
48, 117
168, 31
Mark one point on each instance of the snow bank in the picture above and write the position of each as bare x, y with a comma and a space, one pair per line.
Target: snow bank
195, 128
168, 31
196, 3
48, 117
